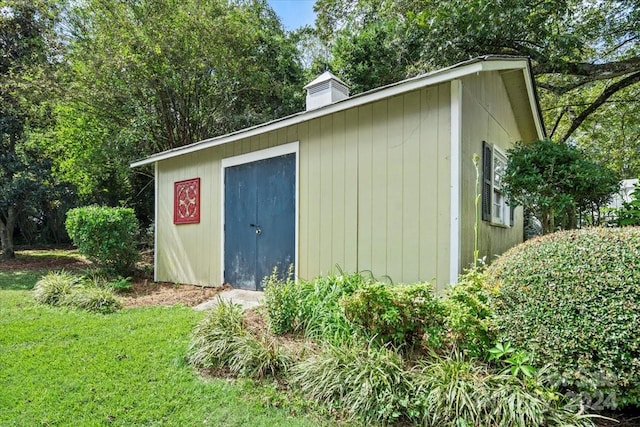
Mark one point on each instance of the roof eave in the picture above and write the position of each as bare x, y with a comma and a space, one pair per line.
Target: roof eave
489, 63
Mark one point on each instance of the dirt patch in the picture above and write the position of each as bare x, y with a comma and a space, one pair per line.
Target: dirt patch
628, 418
146, 293
256, 323
46, 262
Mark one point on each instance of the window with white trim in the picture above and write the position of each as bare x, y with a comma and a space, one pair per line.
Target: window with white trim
495, 208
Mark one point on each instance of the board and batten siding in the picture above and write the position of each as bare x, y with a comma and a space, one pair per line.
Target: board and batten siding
487, 115
374, 185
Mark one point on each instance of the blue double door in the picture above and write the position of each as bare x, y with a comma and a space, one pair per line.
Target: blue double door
260, 220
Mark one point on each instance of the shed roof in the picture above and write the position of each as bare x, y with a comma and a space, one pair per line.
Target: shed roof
516, 73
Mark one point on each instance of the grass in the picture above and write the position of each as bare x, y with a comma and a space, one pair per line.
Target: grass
19, 280
68, 367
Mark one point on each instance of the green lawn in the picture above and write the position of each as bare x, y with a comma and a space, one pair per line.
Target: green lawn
60, 367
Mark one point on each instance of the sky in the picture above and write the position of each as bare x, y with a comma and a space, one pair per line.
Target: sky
294, 13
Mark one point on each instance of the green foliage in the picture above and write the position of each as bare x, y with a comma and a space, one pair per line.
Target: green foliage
221, 341
367, 382
181, 86
400, 315
93, 298
468, 314
516, 361
281, 298
64, 289
120, 284
570, 299
212, 341
584, 55
105, 235
556, 182
456, 391
55, 287
311, 307
629, 213
375, 385
28, 194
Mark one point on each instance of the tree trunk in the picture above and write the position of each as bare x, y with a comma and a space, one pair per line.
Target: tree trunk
572, 216
6, 234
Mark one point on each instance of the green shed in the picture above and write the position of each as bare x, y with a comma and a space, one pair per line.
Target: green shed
383, 181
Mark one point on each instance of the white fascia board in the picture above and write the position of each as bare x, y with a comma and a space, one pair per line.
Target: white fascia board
429, 79
533, 102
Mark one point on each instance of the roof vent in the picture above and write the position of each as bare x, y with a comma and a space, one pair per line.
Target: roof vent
325, 90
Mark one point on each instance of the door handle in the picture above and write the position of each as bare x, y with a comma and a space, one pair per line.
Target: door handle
257, 227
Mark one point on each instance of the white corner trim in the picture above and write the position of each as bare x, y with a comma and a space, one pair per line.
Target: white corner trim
456, 147
254, 156
156, 188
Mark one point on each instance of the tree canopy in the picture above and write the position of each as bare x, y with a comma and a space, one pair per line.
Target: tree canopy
173, 72
29, 47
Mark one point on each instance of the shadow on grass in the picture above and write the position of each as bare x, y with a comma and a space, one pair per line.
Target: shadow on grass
19, 280
29, 265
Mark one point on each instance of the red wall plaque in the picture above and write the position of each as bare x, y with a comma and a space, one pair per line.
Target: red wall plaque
186, 201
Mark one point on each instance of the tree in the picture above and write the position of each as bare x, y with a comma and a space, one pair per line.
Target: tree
28, 50
611, 135
174, 72
584, 54
152, 75
555, 182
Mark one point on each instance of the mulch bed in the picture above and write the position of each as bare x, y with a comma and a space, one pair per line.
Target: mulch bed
144, 292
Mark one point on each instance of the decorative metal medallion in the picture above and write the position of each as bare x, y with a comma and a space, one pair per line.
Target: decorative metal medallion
186, 197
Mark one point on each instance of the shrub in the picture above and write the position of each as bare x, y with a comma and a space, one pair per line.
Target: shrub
221, 341
64, 289
120, 284
213, 339
368, 382
311, 307
55, 287
572, 299
454, 390
401, 315
468, 314
281, 297
93, 298
258, 357
107, 236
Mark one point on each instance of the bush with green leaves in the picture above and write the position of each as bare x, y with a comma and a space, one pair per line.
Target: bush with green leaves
629, 213
557, 183
572, 300
222, 341
468, 314
400, 315
311, 308
107, 236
